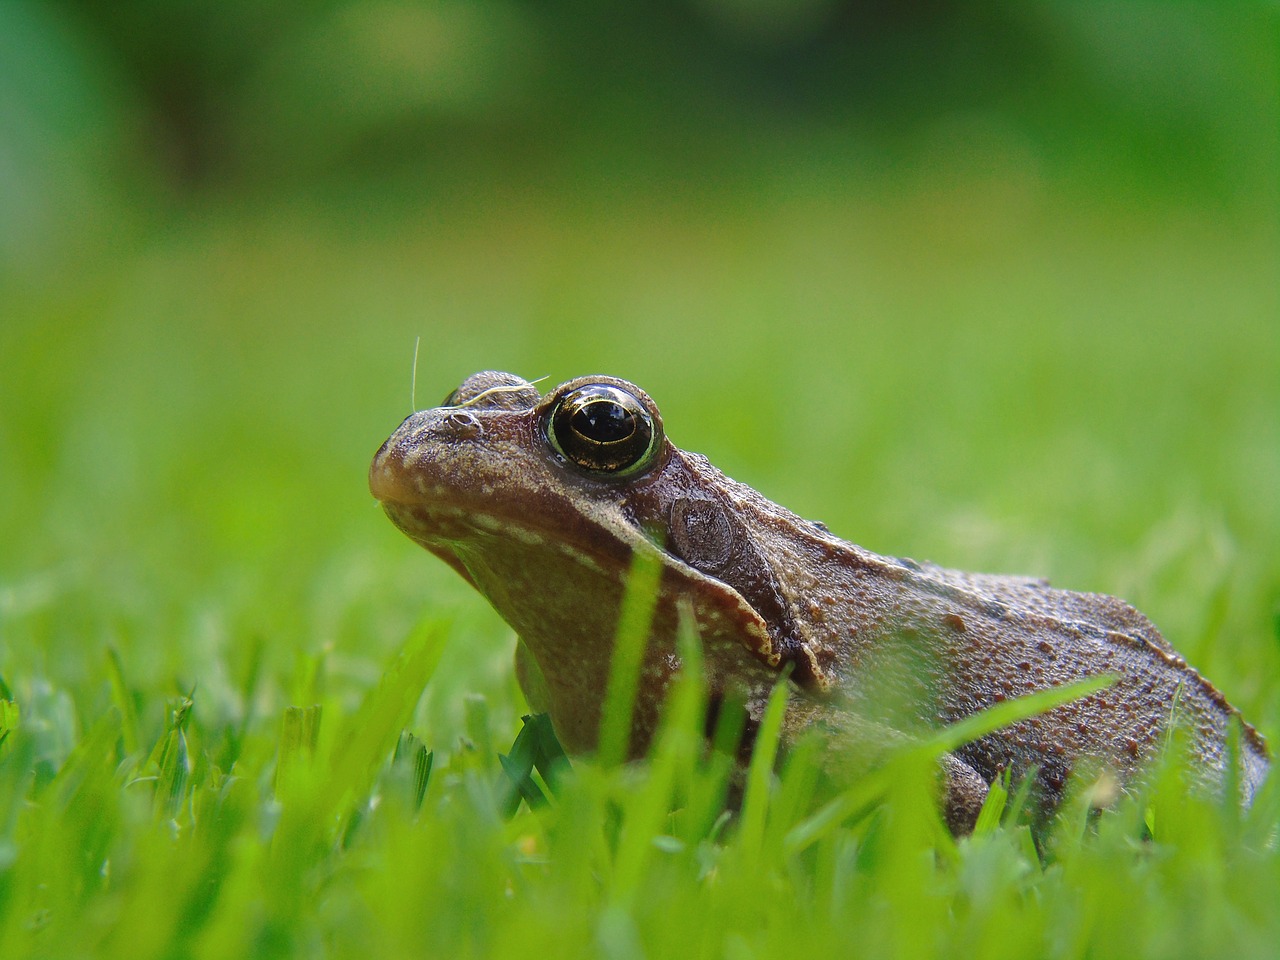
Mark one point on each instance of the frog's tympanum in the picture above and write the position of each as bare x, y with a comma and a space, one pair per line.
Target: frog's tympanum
540, 503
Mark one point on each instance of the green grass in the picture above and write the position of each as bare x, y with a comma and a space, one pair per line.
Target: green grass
213, 642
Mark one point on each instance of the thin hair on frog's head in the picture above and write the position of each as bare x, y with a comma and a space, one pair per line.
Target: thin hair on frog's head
498, 388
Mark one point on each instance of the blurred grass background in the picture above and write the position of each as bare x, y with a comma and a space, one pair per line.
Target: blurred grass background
987, 283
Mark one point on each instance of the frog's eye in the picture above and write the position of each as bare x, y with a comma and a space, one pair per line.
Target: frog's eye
603, 429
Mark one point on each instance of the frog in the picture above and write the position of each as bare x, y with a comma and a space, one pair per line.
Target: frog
543, 502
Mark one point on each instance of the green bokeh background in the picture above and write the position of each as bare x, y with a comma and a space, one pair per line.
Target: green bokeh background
992, 284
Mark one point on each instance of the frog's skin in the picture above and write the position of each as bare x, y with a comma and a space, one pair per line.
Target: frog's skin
541, 511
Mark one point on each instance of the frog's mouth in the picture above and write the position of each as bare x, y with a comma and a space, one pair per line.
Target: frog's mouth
446, 509
446, 529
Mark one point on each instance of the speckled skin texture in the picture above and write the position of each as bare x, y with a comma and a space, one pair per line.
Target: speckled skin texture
874, 643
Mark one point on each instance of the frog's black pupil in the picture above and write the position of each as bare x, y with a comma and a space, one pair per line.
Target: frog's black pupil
603, 421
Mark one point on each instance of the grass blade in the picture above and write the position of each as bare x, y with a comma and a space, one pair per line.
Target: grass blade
634, 622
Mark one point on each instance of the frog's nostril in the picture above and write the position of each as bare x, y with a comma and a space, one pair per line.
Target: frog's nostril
461, 425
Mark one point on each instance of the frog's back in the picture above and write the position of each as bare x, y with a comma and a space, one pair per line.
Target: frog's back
1037, 596
1004, 637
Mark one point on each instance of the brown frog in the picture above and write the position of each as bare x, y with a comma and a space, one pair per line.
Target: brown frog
540, 502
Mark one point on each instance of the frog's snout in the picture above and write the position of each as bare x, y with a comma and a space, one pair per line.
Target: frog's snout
390, 474
384, 476
411, 456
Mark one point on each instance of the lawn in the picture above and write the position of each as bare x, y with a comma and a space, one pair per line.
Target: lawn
245, 717
192, 562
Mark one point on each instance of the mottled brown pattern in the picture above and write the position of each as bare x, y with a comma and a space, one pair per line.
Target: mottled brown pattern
880, 648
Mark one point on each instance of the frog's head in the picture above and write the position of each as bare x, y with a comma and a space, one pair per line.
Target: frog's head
541, 501
497, 469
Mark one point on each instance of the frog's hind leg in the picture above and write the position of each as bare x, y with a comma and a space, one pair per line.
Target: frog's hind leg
855, 745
